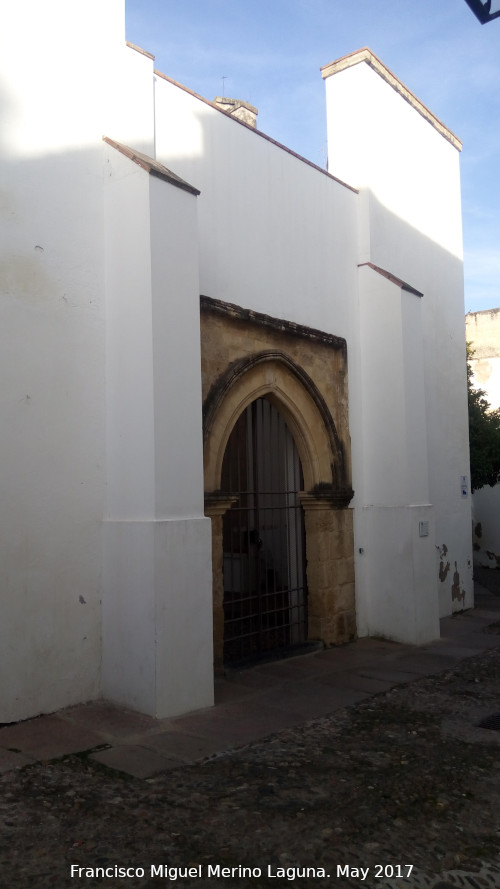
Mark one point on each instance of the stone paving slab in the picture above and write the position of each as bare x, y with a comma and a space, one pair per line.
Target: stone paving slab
289, 670
467, 624
426, 663
477, 644
250, 703
376, 646
109, 720
451, 649
185, 747
352, 657
252, 679
48, 737
357, 682
312, 699
486, 614
230, 691
388, 674
478, 641
241, 721
135, 760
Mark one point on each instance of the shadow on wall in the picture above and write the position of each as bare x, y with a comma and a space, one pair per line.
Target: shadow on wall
52, 473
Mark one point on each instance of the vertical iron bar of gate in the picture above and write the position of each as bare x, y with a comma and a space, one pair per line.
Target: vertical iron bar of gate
279, 598
257, 520
266, 592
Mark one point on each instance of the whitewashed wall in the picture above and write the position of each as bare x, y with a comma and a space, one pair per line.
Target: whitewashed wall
102, 265
53, 94
410, 226
97, 420
157, 606
280, 237
276, 234
395, 565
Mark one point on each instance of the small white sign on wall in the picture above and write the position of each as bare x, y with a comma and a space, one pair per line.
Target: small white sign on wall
464, 486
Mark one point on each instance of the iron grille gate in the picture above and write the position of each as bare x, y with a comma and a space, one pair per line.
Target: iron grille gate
265, 607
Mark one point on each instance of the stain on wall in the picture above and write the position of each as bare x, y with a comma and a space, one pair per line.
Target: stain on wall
444, 567
456, 593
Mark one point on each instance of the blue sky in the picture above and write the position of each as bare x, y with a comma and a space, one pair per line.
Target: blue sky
270, 52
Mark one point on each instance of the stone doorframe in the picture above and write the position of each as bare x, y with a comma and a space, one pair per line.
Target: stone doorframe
276, 374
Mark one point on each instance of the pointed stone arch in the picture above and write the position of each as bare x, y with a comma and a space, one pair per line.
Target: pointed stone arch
276, 376
302, 371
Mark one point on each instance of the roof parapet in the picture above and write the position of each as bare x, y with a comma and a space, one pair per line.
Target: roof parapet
366, 55
139, 49
259, 133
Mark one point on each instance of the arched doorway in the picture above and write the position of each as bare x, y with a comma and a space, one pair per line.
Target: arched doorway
273, 377
264, 573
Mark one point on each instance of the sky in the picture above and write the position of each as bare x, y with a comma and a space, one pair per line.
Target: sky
269, 53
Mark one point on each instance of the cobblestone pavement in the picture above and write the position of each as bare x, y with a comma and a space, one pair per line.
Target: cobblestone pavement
400, 790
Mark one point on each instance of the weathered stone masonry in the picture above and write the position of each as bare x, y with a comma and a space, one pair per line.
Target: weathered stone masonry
247, 355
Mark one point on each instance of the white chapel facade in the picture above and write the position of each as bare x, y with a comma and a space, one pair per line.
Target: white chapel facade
233, 383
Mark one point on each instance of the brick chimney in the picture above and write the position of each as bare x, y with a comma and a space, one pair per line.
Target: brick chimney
236, 108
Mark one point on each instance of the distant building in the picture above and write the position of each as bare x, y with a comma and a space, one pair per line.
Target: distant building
233, 388
483, 333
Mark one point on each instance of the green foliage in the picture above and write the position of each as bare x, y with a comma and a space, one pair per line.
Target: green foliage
484, 435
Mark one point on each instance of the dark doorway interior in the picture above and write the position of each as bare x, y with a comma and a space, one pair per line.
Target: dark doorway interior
265, 596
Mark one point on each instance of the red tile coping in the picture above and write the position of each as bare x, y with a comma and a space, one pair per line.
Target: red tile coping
151, 165
391, 277
255, 131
